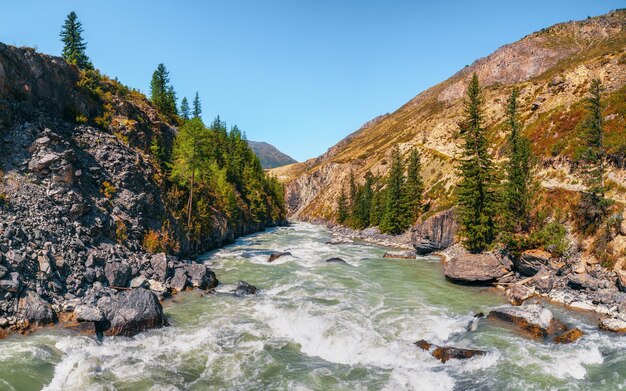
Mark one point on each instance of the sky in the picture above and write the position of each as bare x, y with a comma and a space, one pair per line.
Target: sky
299, 74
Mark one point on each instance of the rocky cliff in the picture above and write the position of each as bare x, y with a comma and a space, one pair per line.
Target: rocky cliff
79, 192
552, 68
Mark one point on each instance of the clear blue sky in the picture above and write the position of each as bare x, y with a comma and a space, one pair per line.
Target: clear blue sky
300, 74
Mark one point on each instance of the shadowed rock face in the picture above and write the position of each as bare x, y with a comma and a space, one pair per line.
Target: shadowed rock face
474, 268
131, 312
435, 233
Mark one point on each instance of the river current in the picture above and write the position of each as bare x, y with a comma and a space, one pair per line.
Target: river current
318, 326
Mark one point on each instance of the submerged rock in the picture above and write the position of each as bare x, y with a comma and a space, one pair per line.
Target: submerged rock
474, 268
130, 312
336, 260
244, 289
408, 254
569, 336
445, 353
613, 324
532, 318
277, 254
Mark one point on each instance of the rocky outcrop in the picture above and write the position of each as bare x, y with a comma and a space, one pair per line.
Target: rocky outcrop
612, 324
400, 254
531, 261
446, 353
435, 233
532, 319
130, 312
475, 268
245, 289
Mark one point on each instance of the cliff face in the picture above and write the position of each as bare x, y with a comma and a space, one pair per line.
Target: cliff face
552, 68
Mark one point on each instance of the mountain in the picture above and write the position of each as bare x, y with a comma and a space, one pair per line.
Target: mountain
552, 68
269, 155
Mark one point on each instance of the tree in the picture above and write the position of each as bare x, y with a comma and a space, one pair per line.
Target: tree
519, 187
162, 93
189, 157
392, 221
184, 109
342, 208
73, 44
476, 195
413, 189
594, 206
363, 203
197, 107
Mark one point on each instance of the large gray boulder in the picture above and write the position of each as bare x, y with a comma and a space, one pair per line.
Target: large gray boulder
475, 268
435, 233
532, 319
201, 276
117, 273
35, 310
130, 312
532, 261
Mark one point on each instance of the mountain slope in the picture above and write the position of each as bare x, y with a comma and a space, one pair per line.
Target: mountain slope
552, 68
269, 155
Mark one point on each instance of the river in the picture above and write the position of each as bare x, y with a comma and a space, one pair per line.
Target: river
318, 326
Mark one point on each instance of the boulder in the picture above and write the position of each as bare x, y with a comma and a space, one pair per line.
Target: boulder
36, 310
201, 276
621, 281
445, 353
131, 312
179, 281
474, 268
160, 266
11, 284
613, 324
543, 281
277, 254
518, 293
585, 281
3, 271
244, 289
435, 233
117, 273
569, 336
409, 254
532, 319
531, 261
336, 260
87, 313
139, 282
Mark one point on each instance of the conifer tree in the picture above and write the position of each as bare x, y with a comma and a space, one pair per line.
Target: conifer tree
197, 106
189, 157
73, 44
594, 206
476, 195
162, 93
342, 208
184, 109
362, 209
392, 220
413, 188
519, 186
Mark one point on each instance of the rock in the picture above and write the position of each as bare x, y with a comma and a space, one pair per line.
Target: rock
569, 336
87, 313
585, 281
435, 233
409, 254
336, 260
40, 164
160, 266
340, 240
156, 286
531, 318
622, 227
12, 284
35, 309
3, 271
543, 281
179, 281
139, 282
474, 268
620, 282
131, 312
445, 353
277, 254
531, 261
243, 289
581, 305
613, 324
518, 293
117, 273
201, 276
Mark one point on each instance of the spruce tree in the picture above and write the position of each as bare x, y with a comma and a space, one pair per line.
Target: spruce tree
476, 195
197, 107
594, 206
73, 44
342, 208
413, 188
519, 186
363, 205
392, 220
184, 109
162, 94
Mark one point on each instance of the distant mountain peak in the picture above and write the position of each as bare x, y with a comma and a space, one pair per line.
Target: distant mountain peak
269, 155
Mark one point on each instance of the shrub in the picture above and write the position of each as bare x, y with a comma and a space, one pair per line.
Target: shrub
81, 119
121, 231
108, 189
159, 242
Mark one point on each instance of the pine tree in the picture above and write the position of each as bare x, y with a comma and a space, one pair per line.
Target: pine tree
377, 209
362, 208
413, 189
519, 186
594, 206
189, 157
392, 220
162, 93
73, 44
476, 195
184, 109
342, 208
197, 107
